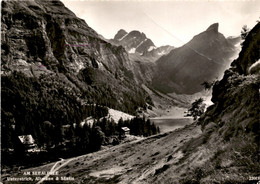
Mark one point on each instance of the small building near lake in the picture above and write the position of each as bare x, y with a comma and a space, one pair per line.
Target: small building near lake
27, 144
125, 131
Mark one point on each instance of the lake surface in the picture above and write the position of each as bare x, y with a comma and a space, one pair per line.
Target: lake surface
167, 125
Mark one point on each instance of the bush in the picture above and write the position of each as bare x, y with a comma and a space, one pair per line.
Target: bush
162, 169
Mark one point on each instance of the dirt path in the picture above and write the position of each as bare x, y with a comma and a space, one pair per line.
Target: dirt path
134, 162
54, 169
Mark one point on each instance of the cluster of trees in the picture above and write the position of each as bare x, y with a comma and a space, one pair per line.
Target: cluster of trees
28, 102
51, 109
88, 138
85, 138
140, 126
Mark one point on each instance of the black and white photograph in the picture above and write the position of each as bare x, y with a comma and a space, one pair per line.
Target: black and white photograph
130, 92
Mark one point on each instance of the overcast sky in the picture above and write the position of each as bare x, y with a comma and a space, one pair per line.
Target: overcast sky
166, 22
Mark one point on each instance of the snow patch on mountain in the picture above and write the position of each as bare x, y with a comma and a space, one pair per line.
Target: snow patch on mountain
161, 53
140, 44
122, 37
151, 48
132, 50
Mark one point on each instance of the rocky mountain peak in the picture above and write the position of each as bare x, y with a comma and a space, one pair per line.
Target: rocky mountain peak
213, 27
49, 33
134, 41
120, 34
140, 47
209, 50
137, 34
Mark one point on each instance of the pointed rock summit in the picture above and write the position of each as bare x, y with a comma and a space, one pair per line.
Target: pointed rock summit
134, 41
203, 58
120, 34
213, 27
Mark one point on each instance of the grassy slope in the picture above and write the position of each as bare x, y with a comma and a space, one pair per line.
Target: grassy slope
134, 162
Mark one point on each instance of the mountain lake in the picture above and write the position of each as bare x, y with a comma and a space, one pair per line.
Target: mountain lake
170, 124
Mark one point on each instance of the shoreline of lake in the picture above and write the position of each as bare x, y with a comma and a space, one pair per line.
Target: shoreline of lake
167, 124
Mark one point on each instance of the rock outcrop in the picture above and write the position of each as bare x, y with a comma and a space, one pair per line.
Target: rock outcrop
46, 33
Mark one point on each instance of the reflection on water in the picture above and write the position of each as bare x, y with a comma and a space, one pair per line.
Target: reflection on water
167, 125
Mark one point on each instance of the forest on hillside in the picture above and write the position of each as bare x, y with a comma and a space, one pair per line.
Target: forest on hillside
51, 111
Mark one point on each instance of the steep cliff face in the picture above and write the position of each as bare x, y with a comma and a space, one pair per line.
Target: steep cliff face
53, 64
205, 57
46, 33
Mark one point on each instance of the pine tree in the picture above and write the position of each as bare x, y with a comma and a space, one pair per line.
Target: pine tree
244, 32
207, 85
197, 108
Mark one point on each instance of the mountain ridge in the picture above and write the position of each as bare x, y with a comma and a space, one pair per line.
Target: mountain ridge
204, 57
136, 42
